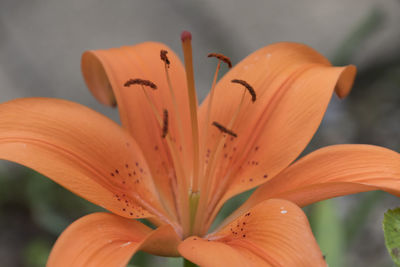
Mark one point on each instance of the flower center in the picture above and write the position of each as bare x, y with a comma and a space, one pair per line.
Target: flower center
196, 193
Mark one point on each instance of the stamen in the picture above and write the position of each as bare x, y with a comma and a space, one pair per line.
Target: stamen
223, 129
207, 121
182, 186
248, 87
222, 58
140, 82
165, 124
204, 178
164, 57
175, 111
174, 155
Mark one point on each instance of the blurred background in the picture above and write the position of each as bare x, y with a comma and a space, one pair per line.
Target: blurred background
40, 46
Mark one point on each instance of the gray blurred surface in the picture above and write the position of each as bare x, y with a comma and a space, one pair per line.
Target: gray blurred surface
42, 40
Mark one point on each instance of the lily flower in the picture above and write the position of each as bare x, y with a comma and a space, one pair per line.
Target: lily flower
176, 163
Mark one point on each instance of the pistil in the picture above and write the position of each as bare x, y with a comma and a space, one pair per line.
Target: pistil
186, 38
193, 190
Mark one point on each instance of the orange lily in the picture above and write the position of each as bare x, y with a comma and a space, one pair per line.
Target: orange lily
175, 163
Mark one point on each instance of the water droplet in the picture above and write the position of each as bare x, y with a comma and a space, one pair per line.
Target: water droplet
126, 244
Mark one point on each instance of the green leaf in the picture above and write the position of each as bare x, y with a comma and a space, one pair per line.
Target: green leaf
391, 229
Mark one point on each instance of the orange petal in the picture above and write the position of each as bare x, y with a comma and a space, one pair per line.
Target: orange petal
273, 233
105, 73
293, 84
100, 239
81, 150
331, 172
163, 241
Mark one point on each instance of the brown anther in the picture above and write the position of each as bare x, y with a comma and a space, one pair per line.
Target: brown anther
140, 82
222, 58
164, 57
223, 129
248, 87
165, 124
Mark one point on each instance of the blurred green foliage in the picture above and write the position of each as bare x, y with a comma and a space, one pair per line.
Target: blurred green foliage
329, 231
391, 228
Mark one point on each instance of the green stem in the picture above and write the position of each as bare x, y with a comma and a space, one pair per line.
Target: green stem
193, 205
187, 263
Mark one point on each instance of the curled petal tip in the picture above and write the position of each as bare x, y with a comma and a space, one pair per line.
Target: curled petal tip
346, 80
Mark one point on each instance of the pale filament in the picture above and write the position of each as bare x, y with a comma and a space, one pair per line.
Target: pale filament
231, 125
181, 137
219, 186
182, 198
209, 197
203, 176
222, 187
205, 128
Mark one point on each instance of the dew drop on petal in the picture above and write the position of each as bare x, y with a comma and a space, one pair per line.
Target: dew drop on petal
126, 244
